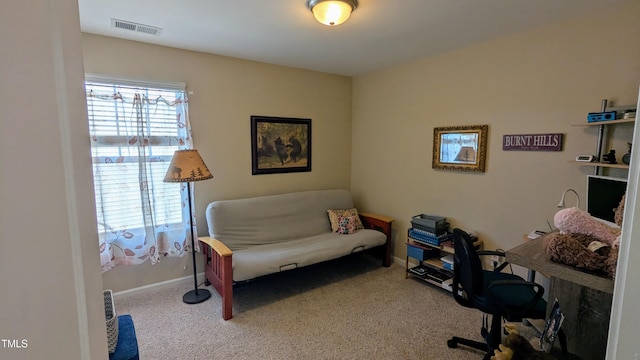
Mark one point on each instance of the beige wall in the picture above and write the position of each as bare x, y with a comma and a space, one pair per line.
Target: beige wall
51, 302
57, 284
225, 93
541, 81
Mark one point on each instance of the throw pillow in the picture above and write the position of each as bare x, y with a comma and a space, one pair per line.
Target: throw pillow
346, 225
335, 214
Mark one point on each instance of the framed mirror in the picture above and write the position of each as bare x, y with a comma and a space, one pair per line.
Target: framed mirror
460, 148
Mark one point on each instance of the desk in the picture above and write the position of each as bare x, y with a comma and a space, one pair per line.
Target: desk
585, 298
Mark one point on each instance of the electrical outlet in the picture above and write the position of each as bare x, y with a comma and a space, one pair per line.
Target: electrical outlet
185, 267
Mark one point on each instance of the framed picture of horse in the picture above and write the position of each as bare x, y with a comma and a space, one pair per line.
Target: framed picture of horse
280, 145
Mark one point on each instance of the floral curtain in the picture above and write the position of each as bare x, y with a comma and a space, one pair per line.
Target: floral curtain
134, 133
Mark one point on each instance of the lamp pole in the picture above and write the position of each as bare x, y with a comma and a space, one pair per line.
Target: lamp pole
195, 296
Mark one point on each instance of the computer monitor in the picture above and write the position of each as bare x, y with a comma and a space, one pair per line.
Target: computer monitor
603, 196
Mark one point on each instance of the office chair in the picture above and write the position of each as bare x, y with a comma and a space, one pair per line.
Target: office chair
501, 295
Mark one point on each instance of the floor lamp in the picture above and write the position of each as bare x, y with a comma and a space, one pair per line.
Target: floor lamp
187, 166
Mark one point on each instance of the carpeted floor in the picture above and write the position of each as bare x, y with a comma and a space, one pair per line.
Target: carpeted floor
350, 308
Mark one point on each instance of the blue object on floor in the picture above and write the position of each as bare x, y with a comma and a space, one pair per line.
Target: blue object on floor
127, 347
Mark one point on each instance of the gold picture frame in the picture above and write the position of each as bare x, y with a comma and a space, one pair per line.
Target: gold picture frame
460, 148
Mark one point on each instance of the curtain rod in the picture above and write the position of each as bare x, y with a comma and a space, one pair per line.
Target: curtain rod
135, 82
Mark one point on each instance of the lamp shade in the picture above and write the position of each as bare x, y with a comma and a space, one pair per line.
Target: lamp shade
466, 154
332, 12
187, 166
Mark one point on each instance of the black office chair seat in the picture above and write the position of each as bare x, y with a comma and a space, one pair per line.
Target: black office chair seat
501, 295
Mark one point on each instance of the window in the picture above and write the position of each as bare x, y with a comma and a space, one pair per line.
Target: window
134, 132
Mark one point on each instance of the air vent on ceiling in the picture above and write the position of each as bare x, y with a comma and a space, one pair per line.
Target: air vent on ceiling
131, 26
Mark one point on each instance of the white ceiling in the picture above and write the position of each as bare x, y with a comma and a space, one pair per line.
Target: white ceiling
379, 34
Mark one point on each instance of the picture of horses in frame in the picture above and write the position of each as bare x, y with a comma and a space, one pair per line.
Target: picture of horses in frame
280, 145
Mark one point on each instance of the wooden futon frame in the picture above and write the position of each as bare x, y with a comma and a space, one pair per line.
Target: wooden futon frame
218, 259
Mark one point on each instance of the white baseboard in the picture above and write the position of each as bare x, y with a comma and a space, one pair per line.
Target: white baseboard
156, 286
186, 279
397, 260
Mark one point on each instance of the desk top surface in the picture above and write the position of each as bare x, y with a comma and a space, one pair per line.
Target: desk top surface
531, 255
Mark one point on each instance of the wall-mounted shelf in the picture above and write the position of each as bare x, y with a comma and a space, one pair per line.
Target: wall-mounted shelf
601, 164
598, 123
601, 125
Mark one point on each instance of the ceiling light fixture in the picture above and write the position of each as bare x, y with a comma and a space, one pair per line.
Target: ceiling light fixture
332, 12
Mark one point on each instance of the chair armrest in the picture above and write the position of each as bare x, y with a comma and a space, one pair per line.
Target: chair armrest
500, 253
217, 246
536, 287
491, 252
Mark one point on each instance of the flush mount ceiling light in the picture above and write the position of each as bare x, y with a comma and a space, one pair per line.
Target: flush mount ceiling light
332, 12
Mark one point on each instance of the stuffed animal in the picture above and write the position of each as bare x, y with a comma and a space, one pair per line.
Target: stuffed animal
619, 212
516, 347
582, 251
585, 242
574, 220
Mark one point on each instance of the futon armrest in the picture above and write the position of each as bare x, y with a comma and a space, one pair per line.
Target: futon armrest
383, 224
386, 219
218, 271
217, 246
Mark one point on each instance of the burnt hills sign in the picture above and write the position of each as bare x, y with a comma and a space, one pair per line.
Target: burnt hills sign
532, 142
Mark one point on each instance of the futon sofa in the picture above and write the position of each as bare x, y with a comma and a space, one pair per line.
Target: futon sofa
253, 237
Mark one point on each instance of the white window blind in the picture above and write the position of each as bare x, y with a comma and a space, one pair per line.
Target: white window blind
115, 147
